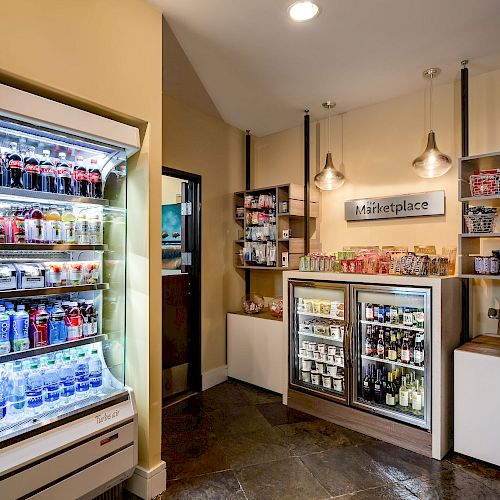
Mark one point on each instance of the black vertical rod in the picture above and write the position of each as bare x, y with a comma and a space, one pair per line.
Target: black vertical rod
464, 100
307, 161
247, 187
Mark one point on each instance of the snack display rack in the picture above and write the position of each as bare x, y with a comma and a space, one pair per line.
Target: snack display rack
285, 218
479, 178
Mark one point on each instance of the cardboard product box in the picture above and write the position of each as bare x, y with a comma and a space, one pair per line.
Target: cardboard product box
30, 275
8, 277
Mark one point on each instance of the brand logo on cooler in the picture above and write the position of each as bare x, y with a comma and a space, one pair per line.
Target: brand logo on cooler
104, 417
15, 164
32, 168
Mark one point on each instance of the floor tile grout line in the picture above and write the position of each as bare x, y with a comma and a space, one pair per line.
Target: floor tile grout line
187, 478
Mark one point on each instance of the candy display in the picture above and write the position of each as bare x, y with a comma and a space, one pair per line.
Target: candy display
481, 219
485, 183
388, 260
489, 264
276, 307
252, 303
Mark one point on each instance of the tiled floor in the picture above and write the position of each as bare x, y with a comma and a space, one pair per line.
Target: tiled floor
235, 441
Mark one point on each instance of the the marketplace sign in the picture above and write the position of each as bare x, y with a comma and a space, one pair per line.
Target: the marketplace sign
393, 207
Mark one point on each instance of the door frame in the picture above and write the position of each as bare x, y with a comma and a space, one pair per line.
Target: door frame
195, 379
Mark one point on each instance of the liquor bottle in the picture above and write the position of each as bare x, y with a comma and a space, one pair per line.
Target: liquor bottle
367, 392
422, 392
405, 351
381, 345
375, 312
404, 392
387, 316
387, 341
418, 351
390, 395
394, 315
393, 349
381, 313
396, 379
368, 341
384, 381
398, 344
416, 400
369, 312
408, 316
400, 315
420, 318
378, 389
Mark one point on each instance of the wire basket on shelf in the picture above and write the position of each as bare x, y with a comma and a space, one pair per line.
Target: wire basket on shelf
484, 184
481, 223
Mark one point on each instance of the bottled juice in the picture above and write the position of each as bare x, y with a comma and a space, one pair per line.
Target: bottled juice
34, 225
95, 229
68, 226
39, 327
73, 322
82, 230
18, 226
53, 226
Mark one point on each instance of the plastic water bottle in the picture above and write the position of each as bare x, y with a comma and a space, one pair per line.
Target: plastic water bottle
51, 382
19, 322
3, 394
4, 331
34, 389
17, 398
82, 376
57, 327
95, 372
67, 373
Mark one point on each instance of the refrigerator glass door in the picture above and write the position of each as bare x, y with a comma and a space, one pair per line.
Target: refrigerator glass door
392, 352
62, 276
319, 338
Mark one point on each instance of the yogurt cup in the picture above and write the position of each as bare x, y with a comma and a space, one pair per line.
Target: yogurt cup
337, 383
302, 352
323, 356
330, 358
327, 381
305, 375
316, 354
331, 370
315, 378
332, 350
313, 346
310, 354
322, 348
320, 367
305, 344
306, 365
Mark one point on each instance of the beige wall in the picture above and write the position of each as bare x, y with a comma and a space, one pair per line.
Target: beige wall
202, 144
170, 190
380, 142
105, 57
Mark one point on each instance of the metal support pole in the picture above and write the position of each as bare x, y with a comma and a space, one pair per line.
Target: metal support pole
247, 187
464, 87
307, 161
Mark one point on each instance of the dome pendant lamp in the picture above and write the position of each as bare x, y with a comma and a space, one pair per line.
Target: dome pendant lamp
431, 163
329, 178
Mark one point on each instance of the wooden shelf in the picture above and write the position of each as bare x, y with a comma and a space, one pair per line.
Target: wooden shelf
472, 199
479, 235
481, 276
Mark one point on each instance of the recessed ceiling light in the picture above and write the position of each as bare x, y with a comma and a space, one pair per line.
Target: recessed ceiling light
303, 11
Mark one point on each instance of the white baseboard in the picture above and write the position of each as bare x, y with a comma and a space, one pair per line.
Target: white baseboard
213, 377
148, 484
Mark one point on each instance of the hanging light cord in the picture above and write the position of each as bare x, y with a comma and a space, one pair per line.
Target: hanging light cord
342, 139
430, 103
329, 143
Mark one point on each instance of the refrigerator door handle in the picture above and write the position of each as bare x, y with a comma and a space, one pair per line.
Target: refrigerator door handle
347, 343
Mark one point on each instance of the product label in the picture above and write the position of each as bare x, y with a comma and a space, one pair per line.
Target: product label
34, 398
81, 175
403, 398
16, 164
67, 387
94, 327
405, 355
390, 400
54, 231
68, 231
416, 402
418, 357
54, 278
63, 171
32, 168
87, 329
369, 314
21, 344
74, 332
408, 318
51, 393
95, 380
420, 316
393, 355
34, 230
47, 170
95, 177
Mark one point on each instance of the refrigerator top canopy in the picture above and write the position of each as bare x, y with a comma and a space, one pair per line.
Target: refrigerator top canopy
56, 121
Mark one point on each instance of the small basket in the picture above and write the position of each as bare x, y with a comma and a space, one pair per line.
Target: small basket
481, 223
484, 184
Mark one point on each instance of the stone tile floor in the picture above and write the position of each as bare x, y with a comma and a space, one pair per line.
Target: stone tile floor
236, 441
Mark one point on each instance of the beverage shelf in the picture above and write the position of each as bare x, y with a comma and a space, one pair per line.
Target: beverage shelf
57, 247
325, 337
319, 315
395, 411
394, 363
340, 365
39, 351
481, 276
59, 290
392, 325
7, 193
322, 388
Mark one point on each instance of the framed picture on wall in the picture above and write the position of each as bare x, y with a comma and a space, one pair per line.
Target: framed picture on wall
171, 236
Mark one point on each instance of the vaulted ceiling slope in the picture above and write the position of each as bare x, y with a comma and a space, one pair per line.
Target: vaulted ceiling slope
261, 69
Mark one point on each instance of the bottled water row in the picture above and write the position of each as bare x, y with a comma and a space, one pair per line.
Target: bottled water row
38, 384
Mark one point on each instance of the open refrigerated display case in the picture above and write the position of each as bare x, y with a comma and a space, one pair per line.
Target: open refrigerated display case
374, 353
62, 306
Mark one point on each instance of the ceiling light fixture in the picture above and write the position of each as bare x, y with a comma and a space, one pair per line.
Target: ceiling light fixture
329, 178
431, 163
303, 11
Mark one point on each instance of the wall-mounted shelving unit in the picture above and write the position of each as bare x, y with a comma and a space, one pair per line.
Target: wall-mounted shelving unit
291, 219
472, 244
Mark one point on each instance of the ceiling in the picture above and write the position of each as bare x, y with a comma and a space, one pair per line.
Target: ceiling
262, 70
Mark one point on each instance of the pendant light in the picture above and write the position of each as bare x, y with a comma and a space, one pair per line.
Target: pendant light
431, 163
329, 178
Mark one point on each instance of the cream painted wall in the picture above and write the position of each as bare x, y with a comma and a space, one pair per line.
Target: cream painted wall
105, 57
170, 189
202, 144
380, 142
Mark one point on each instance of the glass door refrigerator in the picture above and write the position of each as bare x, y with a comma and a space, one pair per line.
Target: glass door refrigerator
319, 347
391, 361
62, 311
